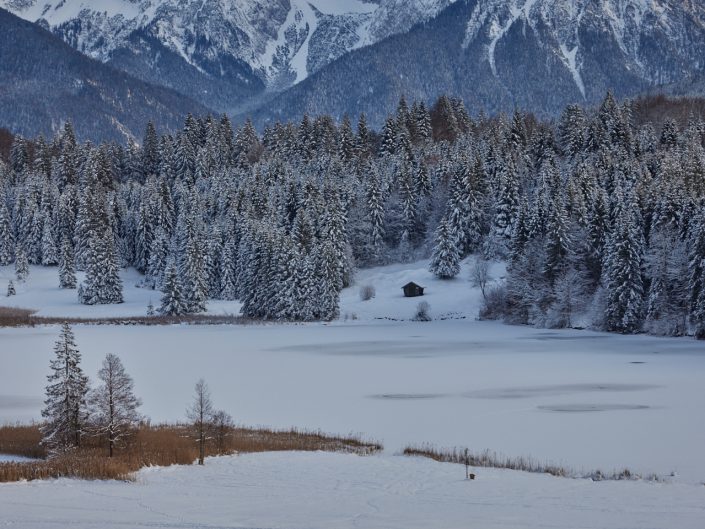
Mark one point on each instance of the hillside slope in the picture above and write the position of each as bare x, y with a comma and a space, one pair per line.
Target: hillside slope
44, 82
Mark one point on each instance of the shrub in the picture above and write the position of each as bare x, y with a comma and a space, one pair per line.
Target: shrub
423, 312
367, 292
495, 305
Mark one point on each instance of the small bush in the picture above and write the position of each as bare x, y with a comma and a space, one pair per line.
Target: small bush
423, 312
367, 292
495, 306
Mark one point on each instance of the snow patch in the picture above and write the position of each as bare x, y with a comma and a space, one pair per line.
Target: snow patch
569, 57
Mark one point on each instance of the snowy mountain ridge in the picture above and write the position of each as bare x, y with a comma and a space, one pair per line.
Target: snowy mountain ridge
283, 41
629, 21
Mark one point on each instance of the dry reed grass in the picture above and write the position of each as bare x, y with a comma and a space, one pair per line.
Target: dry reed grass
15, 317
161, 445
488, 459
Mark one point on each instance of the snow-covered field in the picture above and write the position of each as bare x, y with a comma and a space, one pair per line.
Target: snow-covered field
316, 490
578, 398
41, 292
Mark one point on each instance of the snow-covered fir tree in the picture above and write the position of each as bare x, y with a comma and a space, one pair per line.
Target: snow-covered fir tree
445, 262
172, 302
21, 265
65, 409
67, 274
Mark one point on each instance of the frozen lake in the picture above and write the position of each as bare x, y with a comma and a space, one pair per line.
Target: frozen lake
583, 399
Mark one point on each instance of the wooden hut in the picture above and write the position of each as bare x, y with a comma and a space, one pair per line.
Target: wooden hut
412, 290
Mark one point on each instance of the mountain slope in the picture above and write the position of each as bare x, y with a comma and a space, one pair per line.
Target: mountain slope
223, 53
496, 54
44, 82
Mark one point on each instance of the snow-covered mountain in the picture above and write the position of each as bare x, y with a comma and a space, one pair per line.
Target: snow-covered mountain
497, 54
281, 58
44, 82
223, 51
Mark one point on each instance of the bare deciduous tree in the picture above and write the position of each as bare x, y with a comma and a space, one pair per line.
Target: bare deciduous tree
480, 275
222, 426
201, 415
113, 404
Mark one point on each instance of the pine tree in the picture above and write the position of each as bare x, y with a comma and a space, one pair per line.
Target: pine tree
558, 243
625, 289
50, 251
696, 285
11, 288
192, 269
67, 275
7, 240
329, 282
445, 262
65, 405
21, 265
113, 403
103, 284
172, 303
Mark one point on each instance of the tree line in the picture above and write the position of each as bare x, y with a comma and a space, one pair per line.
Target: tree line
599, 218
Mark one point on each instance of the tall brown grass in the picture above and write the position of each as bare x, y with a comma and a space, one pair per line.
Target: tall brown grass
161, 445
488, 459
16, 317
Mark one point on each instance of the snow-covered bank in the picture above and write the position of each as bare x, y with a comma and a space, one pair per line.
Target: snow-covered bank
322, 490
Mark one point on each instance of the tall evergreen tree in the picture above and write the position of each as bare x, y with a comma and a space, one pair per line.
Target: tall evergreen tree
67, 275
172, 303
445, 262
65, 405
625, 288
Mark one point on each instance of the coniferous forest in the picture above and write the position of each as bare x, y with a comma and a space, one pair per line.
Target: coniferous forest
599, 216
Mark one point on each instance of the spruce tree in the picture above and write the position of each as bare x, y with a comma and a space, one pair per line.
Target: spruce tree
65, 410
103, 284
445, 262
172, 303
696, 269
7, 240
11, 288
21, 265
625, 288
67, 274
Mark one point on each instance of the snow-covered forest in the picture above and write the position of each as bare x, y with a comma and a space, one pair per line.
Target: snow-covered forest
601, 220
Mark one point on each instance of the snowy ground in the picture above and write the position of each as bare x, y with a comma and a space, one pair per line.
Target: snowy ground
6, 458
316, 490
582, 399
41, 292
